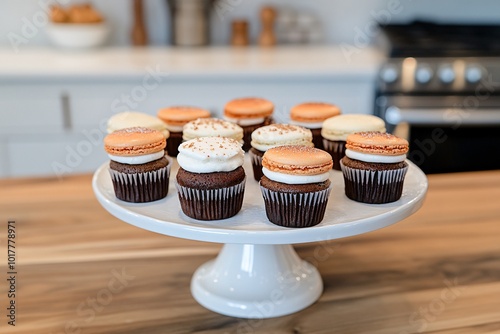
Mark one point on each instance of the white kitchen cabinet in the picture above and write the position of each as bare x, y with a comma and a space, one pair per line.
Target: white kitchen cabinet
31, 107
53, 155
4, 162
52, 101
93, 104
39, 140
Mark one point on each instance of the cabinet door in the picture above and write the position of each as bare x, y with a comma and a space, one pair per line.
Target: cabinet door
92, 105
54, 155
28, 108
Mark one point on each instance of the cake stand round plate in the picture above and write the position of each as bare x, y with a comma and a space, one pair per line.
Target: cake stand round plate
257, 274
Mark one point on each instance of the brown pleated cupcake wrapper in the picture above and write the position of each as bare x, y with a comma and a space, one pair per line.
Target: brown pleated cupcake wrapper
373, 187
256, 165
141, 187
317, 138
211, 204
336, 150
173, 143
295, 209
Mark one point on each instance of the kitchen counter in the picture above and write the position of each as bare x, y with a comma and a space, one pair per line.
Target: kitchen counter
116, 63
80, 270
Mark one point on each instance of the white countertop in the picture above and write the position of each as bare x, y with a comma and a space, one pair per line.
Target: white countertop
112, 63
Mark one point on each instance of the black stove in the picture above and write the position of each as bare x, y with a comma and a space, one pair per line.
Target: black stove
426, 39
440, 88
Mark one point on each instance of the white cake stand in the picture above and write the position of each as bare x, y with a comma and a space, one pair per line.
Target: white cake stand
257, 274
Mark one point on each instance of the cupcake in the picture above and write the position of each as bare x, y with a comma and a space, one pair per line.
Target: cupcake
336, 129
311, 115
374, 167
130, 119
175, 118
211, 179
250, 113
139, 169
212, 127
274, 135
296, 185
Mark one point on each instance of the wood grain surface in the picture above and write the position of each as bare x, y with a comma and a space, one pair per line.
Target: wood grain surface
80, 270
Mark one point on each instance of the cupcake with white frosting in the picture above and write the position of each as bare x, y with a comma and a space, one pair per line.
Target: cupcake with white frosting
211, 179
274, 135
212, 127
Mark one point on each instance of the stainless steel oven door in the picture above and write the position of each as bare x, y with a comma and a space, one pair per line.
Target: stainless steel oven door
446, 133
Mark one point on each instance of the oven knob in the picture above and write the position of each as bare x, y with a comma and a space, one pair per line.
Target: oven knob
423, 74
389, 73
473, 74
446, 74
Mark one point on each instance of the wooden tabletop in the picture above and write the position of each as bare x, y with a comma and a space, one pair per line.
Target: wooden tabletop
80, 270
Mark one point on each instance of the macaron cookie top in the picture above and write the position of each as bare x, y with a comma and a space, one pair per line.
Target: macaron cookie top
273, 135
176, 117
312, 114
376, 147
212, 127
210, 154
128, 119
135, 145
337, 128
293, 164
248, 110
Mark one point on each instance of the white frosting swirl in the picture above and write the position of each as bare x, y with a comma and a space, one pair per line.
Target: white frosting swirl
138, 159
245, 121
210, 154
274, 135
295, 179
317, 125
211, 127
375, 158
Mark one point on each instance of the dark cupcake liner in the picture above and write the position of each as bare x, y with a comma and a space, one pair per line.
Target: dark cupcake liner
295, 209
256, 165
141, 187
317, 138
211, 204
373, 187
173, 143
336, 149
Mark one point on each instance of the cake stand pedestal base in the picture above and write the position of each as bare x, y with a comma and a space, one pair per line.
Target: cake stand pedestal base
256, 282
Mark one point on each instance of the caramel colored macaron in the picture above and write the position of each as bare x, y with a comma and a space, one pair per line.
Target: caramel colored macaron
180, 115
249, 107
373, 142
297, 160
313, 112
134, 141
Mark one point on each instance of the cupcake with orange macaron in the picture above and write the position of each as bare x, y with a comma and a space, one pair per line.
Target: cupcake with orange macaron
175, 118
311, 115
250, 113
374, 167
296, 185
139, 168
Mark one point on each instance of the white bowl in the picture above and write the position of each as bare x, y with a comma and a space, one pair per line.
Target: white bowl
77, 36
